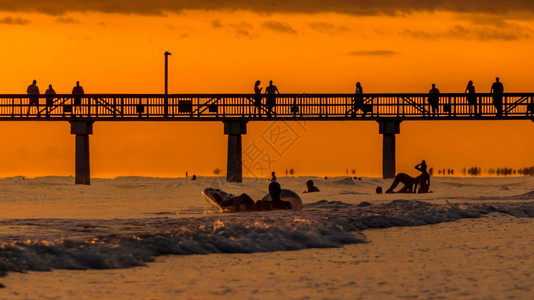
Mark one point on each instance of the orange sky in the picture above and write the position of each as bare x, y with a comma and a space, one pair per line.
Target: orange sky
228, 50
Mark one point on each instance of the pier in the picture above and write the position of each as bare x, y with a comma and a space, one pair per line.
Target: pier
236, 110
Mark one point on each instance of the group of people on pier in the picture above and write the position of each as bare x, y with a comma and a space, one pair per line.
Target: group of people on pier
360, 106
33, 92
497, 90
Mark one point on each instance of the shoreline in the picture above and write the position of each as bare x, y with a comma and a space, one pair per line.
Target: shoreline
486, 257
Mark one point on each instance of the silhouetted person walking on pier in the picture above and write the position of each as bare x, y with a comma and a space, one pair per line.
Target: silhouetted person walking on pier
472, 98
33, 90
77, 91
497, 89
257, 98
433, 100
271, 92
49, 99
359, 101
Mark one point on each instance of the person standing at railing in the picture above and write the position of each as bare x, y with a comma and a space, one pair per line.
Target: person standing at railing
49, 99
257, 98
33, 90
433, 100
497, 89
471, 98
77, 91
271, 92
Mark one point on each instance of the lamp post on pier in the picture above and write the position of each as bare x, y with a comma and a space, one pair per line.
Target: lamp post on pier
166, 99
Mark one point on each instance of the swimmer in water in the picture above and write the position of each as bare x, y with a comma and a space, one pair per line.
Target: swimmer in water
311, 188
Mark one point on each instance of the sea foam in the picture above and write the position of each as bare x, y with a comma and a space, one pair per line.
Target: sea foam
47, 244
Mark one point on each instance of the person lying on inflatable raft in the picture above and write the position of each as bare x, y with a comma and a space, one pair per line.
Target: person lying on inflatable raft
275, 200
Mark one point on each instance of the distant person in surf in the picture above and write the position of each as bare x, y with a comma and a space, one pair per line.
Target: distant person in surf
311, 188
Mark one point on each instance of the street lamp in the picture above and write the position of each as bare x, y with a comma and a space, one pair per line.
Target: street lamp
166, 100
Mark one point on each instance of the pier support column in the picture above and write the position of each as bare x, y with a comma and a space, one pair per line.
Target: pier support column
234, 130
388, 129
82, 130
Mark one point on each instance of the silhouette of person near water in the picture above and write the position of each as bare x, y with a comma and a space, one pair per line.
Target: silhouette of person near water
273, 177
50, 93
311, 187
410, 183
77, 91
472, 99
497, 89
270, 104
33, 90
433, 100
424, 178
257, 98
274, 190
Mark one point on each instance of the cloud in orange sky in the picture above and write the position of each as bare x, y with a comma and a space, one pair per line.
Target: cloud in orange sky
353, 7
14, 21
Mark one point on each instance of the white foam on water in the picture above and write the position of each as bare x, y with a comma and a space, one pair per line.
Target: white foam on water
46, 244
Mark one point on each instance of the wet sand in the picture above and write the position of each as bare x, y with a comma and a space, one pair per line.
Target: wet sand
486, 258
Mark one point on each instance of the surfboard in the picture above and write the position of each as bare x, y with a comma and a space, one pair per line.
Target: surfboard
286, 195
209, 195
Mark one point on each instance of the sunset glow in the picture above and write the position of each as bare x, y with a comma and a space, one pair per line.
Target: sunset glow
304, 47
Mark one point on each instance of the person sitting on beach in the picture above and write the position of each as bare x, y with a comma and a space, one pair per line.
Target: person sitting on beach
410, 184
423, 179
246, 202
311, 188
424, 183
273, 178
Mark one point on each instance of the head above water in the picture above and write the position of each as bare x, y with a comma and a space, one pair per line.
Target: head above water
275, 190
309, 183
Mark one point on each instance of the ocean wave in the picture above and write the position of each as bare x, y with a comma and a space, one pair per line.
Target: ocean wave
47, 244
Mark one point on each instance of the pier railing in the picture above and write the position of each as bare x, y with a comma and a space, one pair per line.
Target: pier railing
212, 107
